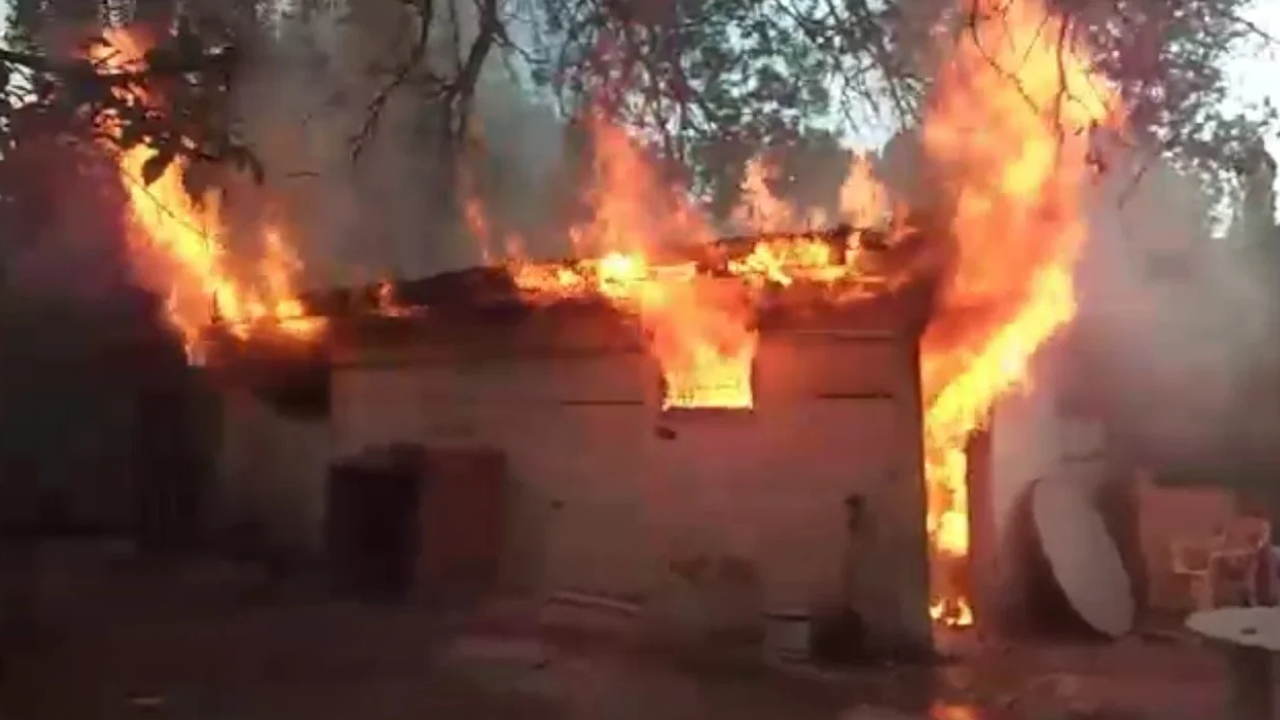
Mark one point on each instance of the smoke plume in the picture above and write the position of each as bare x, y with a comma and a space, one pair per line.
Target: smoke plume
1174, 323
394, 212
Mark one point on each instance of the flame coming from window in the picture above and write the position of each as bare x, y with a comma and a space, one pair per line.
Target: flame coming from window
178, 245
700, 329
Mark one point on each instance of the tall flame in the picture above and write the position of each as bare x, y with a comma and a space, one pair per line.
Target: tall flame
699, 330
178, 244
1008, 128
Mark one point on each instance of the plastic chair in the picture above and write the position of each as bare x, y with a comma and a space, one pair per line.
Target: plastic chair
1229, 564
1191, 560
1245, 556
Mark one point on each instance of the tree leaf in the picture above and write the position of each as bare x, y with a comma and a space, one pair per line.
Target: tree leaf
154, 167
248, 162
197, 179
130, 136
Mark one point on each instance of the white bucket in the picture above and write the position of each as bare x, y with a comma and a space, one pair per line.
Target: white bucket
786, 635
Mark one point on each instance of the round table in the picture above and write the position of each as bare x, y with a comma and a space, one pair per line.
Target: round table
1248, 636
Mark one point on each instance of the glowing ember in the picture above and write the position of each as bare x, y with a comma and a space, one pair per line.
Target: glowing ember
177, 245
387, 303
783, 262
1007, 126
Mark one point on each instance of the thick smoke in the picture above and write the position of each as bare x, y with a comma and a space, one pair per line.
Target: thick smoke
306, 95
1174, 343
1176, 325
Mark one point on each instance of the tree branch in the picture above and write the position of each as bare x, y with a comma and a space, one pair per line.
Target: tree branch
373, 113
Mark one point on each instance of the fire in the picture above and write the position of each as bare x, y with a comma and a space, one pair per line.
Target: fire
1007, 129
1008, 126
864, 202
759, 208
178, 244
784, 262
386, 302
700, 329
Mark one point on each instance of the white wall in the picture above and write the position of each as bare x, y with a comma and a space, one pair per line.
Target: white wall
581, 455
272, 471
1033, 438
767, 488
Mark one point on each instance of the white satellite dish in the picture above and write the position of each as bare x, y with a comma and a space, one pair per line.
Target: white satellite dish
1082, 556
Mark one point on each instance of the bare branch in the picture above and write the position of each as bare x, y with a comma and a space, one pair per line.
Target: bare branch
373, 113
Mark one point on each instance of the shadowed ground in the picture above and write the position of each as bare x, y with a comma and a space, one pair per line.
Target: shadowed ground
119, 638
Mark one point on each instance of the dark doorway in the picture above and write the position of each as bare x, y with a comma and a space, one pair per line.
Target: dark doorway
404, 520
372, 507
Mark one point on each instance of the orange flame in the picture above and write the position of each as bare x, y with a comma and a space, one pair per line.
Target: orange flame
386, 302
1008, 128
700, 329
178, 245
864, 202
784, 262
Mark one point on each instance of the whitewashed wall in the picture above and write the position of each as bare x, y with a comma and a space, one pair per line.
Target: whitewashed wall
1033, 438
272, 471
580, 434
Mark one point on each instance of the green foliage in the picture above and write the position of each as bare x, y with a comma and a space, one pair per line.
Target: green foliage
1168, 58
174, 100
710, 83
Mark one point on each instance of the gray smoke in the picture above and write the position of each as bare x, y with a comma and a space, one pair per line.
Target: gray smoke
1175, 322
1174, 342
306, 95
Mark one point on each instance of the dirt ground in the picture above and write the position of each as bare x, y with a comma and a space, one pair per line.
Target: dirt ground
115, 637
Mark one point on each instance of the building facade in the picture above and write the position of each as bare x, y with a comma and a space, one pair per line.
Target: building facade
606, 493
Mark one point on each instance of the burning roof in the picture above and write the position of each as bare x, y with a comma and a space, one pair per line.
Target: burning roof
461, 306
513, 290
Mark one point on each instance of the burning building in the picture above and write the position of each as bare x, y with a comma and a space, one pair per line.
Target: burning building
651, 395
618, 471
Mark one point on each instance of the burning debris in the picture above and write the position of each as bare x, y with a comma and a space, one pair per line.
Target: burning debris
1007, 130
